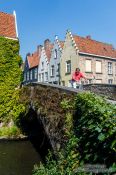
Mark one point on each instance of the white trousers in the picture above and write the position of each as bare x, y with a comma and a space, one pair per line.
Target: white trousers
77, 84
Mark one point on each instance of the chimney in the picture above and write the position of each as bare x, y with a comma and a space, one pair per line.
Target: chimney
88, 36
39, 49
47, 44
28, 54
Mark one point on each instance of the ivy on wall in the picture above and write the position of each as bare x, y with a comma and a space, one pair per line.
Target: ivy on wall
10, 78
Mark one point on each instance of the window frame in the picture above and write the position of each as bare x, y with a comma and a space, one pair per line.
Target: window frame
46, 76
110, 80
35, 73
86, 70
31, 74
110, 68
52, 71
98, 72
68, 67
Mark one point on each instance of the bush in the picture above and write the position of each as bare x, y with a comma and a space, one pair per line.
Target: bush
9, 131
95, 126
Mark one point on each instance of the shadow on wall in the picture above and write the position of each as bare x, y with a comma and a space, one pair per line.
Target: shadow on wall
33, 128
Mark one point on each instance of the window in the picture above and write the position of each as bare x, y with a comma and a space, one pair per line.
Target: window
98, 81
35, 73
42, 65
30, 74
68, 66
58, 68
52, 71
109, 68
110, 81
88, 66
39, 77
24, 76
115, 69
98, 66
89, 81
55, 53
42, 77
27, 75
46, 76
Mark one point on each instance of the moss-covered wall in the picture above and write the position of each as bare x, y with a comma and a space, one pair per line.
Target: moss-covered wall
46, 102
10, 77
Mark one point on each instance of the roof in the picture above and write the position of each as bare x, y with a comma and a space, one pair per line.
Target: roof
88, 45
33, 60
7, 25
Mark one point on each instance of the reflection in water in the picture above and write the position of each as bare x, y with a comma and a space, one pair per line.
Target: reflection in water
17, 158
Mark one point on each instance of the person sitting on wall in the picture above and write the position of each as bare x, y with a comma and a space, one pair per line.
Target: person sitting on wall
76, 78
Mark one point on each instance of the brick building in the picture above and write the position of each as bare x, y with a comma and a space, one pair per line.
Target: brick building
97, 60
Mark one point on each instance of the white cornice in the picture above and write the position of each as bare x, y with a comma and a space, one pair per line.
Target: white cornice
14, 13
10, 38
85, 53
73, 41
58, 42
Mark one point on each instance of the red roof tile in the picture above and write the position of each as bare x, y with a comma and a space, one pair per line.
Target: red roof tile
33, 60
7, 25
88, 45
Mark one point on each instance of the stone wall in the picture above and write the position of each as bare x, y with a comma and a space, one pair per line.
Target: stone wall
102, 89
45, 100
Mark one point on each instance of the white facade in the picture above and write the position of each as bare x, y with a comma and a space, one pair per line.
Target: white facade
43, 68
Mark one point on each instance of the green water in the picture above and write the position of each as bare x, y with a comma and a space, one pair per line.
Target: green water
17, 158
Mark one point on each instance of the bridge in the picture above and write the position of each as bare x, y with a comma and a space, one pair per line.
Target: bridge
45, 117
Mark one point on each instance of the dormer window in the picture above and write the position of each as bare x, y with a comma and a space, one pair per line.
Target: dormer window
55, 53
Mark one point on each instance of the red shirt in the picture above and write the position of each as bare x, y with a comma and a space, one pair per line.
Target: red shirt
77, 76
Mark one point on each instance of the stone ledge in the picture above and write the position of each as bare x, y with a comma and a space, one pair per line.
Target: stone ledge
13, 138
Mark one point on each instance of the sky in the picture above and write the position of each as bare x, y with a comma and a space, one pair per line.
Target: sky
38, 20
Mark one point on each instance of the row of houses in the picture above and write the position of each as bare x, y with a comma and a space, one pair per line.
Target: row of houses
55, 62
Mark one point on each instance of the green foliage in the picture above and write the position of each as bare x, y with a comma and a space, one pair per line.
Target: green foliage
90, 134
67, 161
9, 131
10, 77
95, 125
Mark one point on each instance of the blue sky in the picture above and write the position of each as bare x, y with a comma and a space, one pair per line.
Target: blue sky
41, 19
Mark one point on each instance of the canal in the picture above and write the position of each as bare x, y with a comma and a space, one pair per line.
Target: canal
17, 158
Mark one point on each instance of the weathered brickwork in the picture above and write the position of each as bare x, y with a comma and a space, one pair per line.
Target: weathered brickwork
106, 90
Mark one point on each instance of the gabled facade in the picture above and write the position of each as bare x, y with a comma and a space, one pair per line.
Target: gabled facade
54, 65
43, 69
69, 60
96, 60
8, 25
